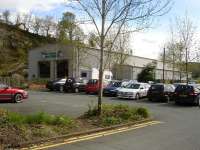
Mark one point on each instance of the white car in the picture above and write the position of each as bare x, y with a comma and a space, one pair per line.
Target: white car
134, 91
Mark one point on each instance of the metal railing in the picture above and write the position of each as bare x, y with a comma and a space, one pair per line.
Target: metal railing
13, 82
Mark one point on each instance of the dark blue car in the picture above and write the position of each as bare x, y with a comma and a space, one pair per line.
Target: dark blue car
111, 89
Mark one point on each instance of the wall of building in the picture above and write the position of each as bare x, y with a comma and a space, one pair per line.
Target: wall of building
89, 58
36, 55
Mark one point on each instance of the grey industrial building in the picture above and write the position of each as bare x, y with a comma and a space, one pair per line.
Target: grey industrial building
53, 61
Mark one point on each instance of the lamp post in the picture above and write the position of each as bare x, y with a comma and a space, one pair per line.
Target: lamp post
164, 65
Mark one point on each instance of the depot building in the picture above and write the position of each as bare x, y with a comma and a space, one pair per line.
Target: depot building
52, 61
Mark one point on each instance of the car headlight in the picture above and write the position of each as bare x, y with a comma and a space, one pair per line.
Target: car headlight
130, 93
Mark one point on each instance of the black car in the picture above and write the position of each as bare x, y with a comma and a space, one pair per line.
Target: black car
111, 89
55, 85
187, 94
74, 85
161, 92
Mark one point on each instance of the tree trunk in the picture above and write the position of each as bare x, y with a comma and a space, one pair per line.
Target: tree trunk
164, 66
186, 65
101, 59
173, 72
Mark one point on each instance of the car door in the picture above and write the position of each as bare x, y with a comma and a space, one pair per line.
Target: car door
142, 90
146, 89
5, 93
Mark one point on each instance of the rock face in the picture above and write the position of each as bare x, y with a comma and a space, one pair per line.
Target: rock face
14, 46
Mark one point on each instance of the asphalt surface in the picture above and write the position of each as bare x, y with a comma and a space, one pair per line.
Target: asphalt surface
180, 129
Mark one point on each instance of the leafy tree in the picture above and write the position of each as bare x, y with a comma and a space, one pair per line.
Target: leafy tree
147, 74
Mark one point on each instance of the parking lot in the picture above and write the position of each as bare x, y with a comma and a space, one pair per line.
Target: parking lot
73, 104
179, 130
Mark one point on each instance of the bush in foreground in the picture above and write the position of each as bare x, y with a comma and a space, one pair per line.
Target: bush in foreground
116, 114
35, 119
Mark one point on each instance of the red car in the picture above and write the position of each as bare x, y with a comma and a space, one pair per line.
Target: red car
92, 86
12, 94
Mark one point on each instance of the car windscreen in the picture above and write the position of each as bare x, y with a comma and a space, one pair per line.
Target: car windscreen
70, 80
133, 86
156, 88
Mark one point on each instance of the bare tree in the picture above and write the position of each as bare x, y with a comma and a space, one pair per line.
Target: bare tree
6, 16
27, 21
18, 20
37, 24
106, 14
180, 47
47, 25
186, 33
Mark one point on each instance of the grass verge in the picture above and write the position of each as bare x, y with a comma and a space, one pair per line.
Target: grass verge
16, 128
116, 114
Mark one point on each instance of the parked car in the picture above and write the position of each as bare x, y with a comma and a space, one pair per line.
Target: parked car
56, 84
187, 94
12, 94
74, 85
93, 86
112, 88
134, 91
161, 92
177, 84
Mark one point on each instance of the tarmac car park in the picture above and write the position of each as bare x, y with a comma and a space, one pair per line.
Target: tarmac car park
131, 89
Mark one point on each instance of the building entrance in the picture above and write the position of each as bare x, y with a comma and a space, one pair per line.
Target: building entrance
62, 68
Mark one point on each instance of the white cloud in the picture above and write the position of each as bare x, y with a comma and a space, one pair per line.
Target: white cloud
149, 44
29, 5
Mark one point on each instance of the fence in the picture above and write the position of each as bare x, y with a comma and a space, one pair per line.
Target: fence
13, 82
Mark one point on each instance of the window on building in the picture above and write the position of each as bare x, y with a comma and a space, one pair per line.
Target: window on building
44, 69
107, 77
83, 75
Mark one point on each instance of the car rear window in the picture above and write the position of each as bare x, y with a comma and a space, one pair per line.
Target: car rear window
184, 88
133, 86
114, 84
93, 82
157, 88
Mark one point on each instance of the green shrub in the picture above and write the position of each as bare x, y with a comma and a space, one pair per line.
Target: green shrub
92, 110
38, 118
62, 120
39, 81
116, 114
44, 118
107, 121
143, 112
16, 118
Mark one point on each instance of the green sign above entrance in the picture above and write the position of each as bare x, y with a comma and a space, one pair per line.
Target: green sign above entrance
52, 55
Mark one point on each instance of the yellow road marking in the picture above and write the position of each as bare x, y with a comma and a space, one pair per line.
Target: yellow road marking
96, 135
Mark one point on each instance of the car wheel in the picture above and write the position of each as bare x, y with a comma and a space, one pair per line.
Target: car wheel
150, 99
137, 97
18, 98
61, 89
76, 90
197, 101
167, 99
177, 102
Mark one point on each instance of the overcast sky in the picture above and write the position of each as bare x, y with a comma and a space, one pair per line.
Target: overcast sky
146, 44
